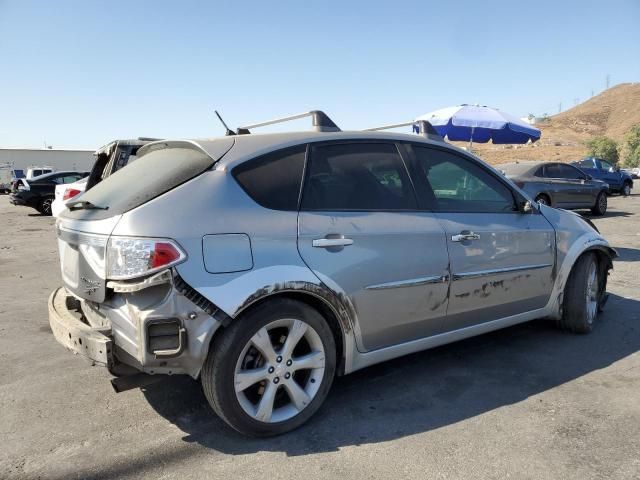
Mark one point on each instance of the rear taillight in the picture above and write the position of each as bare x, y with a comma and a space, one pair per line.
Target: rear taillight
129, 257
70, 193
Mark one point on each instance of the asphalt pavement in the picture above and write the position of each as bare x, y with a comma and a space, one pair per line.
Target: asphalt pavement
526, 402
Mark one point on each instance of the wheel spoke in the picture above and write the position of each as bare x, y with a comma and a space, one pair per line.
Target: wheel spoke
297, 395
309, 361
296, 332
246, 378
263, 343
265, 407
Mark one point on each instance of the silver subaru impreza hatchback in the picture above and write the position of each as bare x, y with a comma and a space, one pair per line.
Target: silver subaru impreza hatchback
265, 265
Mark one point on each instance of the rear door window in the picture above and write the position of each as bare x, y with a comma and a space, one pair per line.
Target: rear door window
357, 176
274, 180
561, 171
607, 167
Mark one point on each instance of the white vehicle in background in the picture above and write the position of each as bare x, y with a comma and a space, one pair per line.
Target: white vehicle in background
64, 193
6, 176
36, 171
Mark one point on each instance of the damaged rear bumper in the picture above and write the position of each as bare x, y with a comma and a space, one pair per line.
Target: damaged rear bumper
158, 325
67, 326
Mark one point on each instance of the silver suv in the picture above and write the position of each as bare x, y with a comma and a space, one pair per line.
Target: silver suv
265, 265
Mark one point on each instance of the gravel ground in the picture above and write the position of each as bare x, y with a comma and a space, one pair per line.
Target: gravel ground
525, 402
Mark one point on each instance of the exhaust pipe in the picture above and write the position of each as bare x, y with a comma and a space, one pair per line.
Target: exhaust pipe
137, 380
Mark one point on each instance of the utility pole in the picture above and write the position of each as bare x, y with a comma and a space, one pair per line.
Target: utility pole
608, 80
591, 93
576, 101
560, 107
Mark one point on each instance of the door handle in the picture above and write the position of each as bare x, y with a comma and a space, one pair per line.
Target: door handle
331, 242
465, 235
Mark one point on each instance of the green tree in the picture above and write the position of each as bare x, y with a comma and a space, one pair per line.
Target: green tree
632, 147
605, 148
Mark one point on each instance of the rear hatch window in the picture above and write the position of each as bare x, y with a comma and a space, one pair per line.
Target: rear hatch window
157, 170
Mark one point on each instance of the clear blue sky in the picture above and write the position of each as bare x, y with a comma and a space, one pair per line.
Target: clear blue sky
80, 73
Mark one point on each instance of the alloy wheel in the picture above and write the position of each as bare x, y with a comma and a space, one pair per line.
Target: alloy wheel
591, 294
602, 203
46, 206
279, 371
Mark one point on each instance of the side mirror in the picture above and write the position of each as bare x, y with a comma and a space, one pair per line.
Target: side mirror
589, 177
526, 207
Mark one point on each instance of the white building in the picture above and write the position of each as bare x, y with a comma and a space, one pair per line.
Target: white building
23, 158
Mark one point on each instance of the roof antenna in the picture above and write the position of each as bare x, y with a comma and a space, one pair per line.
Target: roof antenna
229, 131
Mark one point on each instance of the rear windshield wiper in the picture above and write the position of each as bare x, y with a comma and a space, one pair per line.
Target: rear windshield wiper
84, 205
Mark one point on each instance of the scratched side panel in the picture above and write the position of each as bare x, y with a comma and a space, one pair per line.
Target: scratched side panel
508, 270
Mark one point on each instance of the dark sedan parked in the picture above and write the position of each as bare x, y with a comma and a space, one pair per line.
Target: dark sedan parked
558, 185
39, 192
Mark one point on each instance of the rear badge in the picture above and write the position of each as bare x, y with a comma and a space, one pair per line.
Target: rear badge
91, 286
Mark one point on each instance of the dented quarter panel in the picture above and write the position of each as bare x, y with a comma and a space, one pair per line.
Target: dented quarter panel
130, 313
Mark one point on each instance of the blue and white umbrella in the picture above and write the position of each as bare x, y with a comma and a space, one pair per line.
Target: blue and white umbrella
476, 123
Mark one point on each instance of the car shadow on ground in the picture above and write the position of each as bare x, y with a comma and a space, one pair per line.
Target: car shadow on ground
609, 214
627, 254
424, 391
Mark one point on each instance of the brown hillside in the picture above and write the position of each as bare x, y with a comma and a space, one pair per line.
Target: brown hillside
611, 113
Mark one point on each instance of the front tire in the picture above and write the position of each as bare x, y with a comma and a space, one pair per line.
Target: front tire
600, 207
582, 296
270, 370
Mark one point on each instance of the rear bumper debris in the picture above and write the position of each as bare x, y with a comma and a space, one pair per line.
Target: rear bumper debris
69, 330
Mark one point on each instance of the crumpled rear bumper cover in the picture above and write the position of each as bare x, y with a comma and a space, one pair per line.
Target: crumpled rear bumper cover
93, 343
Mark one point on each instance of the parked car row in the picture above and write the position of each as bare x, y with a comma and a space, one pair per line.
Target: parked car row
10, 176
265, 265
559, 185
578, 185
39, 192
50, 193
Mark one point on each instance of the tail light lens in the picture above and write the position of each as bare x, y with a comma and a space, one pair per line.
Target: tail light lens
70, 193
129, 257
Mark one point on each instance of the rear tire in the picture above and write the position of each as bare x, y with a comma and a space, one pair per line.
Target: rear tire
626, 189
582, 296
600, 208
258, 384
543, 199
44, 207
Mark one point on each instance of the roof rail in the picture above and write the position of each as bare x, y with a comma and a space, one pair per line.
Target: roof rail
320, 121
421, 127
